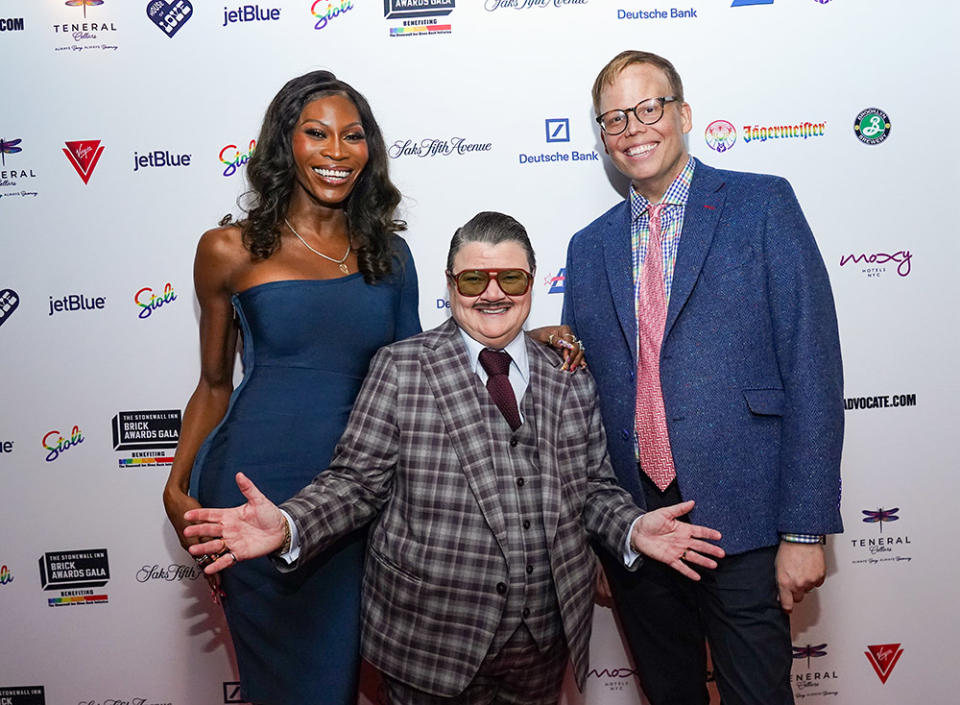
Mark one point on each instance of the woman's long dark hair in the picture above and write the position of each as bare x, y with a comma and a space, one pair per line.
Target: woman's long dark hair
271, 172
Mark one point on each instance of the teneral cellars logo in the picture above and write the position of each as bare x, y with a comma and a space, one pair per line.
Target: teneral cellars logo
882, 547
169, 15
93, 32
75, 574
233, 159
84, 155
9, 301
808, 674
22, 695
15, 173
149, 301
55, 444
883, 657
146, 433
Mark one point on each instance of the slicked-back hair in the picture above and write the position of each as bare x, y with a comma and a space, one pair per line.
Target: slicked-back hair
271, 172
609, 73
491, 228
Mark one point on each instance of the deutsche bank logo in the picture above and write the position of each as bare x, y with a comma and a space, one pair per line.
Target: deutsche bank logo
231, 692
558, 129
741, 3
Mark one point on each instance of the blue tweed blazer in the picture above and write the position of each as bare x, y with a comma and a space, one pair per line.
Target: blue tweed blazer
750, 363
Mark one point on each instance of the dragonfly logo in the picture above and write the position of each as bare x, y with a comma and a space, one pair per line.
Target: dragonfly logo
808, 652
880, 515
84, 4
8, 147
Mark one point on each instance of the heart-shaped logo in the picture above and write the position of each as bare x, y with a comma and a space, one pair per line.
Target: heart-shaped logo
169, 16
8, 304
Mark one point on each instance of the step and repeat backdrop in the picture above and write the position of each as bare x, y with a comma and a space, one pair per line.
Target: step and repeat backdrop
124, 130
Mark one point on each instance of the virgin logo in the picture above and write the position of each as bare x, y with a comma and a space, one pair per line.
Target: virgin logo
883, 657
902, 258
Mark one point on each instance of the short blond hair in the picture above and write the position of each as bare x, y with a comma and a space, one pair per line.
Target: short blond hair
618, 63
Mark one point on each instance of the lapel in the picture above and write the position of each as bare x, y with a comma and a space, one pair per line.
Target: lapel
550, 388
700, 219
451, 378
618, 261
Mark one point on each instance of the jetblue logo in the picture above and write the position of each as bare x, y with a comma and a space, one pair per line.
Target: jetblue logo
170, 15
558, 129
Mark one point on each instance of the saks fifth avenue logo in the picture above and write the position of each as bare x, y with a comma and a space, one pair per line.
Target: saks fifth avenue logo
233, 158
882, 548
883, 657
720, 135
813, 676
876, 264
149, 301
326, 11
56, 444
121, 701
22, 695
169, 15
86, 34
432, 147
173, 573
84, 155
494, 5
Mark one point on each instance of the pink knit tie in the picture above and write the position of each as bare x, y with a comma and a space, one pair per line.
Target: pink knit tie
656, 459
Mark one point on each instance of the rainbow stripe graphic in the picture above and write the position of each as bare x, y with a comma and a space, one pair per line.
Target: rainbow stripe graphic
423, 29
135, 462
79, 600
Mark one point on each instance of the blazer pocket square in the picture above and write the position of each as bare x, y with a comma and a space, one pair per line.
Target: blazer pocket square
765, 402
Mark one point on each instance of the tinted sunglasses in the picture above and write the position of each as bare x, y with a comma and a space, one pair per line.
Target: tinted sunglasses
473, 282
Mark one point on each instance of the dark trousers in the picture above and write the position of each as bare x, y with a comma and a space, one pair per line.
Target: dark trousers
667, 618
520, 674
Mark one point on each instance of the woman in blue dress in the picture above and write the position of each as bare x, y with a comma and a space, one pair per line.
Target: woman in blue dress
314, 280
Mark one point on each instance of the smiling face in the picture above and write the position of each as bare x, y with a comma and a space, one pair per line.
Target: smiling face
492, 318
329, 148
650, 155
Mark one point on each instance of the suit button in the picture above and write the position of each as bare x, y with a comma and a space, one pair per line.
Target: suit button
529, 569
502, 588
521, 482
526, 612
526, 523
513, 442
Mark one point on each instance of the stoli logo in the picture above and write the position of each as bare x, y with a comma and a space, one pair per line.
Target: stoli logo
883, 657
84, 155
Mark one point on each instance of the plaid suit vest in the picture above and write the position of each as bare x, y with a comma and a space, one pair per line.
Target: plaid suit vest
531, 595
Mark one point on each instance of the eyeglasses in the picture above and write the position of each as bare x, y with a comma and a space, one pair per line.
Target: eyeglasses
473, 282
648, 112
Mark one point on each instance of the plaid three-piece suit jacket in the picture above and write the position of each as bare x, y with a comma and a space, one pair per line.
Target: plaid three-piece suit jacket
416, 458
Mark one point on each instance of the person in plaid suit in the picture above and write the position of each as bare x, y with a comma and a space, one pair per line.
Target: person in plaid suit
479, 575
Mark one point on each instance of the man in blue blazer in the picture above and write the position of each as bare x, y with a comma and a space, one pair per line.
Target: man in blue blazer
744, 392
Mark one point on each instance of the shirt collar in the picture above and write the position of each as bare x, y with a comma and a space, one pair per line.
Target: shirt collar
675, 195
516, 348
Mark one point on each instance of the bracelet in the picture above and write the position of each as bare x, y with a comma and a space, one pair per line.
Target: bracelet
285, 546
804, 538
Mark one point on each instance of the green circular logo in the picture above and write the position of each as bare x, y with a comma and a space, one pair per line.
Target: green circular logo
872, 126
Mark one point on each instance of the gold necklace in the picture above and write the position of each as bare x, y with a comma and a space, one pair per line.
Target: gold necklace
339, 262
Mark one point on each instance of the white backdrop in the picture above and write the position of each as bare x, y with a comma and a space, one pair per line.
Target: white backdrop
511, 78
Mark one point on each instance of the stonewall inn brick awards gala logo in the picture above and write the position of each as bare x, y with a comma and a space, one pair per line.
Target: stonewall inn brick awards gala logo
22, 695
151, 435
77, 575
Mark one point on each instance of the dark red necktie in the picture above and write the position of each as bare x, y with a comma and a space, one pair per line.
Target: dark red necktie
497, 365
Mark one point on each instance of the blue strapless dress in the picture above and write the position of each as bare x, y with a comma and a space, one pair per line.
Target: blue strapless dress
306, 348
